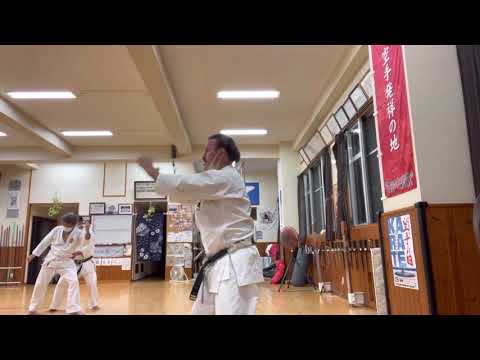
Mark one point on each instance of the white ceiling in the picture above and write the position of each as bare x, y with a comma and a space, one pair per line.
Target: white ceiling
300, 73
14, 138
113, 96
111, 93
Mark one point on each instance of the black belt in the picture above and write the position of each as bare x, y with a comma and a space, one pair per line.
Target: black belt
201, 272
81, 263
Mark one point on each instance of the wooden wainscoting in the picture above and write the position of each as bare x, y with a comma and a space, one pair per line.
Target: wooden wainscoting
315, 241
262, 246
407, 301
113, 273
455, 259
362, 239
331, 255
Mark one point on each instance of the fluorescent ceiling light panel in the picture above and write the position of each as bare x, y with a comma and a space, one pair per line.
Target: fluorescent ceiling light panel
87, 133
248, 94
233, 132
41, 95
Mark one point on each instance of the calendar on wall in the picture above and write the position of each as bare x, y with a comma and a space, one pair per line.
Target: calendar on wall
179, 235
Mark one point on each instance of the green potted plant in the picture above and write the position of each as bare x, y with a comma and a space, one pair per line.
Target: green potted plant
150, 212
54, 210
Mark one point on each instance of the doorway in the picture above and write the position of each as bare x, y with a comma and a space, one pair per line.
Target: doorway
40, 225
154, 267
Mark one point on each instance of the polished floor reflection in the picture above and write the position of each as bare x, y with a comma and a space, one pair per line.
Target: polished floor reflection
155, 297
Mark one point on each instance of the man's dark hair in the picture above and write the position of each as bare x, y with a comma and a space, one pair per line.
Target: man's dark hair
70, 218
227, 143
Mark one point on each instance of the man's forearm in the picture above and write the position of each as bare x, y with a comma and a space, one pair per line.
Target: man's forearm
153, 172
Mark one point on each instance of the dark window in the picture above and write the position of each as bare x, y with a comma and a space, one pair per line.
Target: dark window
364, 174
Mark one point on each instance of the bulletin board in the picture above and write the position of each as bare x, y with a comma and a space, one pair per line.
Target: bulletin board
112, 229
113, 248
179, 237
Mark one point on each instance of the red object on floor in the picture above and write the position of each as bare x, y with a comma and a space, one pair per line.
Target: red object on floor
280, 266
274, 250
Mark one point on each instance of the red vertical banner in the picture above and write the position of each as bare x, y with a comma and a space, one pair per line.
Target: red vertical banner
393, 119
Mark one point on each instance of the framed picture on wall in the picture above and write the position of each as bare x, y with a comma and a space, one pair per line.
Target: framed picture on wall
145, 190
97, 208
84, 218
358, 97
111, 209
125, 209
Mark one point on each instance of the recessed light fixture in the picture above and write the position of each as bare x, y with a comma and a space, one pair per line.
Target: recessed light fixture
234, 132
2, 134
248, 94
87, 133
41, 95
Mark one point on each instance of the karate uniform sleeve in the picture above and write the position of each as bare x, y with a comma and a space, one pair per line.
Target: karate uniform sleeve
88, 248
208, 185
45, 243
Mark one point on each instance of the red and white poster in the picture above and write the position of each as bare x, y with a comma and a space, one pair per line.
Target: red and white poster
393, 119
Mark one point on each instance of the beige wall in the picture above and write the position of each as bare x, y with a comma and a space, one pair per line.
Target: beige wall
268, 197
83, 182
288, 164
11, 172
439, 125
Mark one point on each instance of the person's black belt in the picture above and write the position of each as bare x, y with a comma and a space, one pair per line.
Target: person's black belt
81, 263
201, 272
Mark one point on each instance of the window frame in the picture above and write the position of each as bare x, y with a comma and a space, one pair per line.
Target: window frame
309, 193
360, 156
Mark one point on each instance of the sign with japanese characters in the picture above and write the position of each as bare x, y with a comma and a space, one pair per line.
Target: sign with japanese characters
401, 251
393, 119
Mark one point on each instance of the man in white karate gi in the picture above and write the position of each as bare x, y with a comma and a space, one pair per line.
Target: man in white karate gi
86, 269
63, 241
227, 283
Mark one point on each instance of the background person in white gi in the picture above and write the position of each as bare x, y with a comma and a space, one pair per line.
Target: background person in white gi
223, 218
87, 271
63, 241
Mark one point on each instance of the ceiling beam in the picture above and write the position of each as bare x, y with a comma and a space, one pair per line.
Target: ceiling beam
14, 155
150, 66
341, 78
28, 166
22, 122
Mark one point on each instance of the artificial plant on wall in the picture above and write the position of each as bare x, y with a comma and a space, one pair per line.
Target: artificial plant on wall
150, 212
54, 210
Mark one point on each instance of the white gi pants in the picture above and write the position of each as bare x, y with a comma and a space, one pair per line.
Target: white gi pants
68, 272
231, 299
89, 273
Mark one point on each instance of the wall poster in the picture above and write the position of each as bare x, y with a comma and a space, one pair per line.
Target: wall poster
402, 252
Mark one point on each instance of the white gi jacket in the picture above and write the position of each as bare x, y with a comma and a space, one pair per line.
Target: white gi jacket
87, 247
60, 251
223, 218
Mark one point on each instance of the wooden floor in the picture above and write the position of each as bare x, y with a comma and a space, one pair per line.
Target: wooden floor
156, 297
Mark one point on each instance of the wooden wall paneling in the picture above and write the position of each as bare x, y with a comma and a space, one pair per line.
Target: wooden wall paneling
370, 283
455, 260
262, 246
406, 301
110, 273
362, 238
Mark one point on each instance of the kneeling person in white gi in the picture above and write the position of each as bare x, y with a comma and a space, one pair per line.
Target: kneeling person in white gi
227, 285
63, 241
86, 269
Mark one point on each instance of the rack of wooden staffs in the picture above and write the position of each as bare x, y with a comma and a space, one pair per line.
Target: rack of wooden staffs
11, 254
